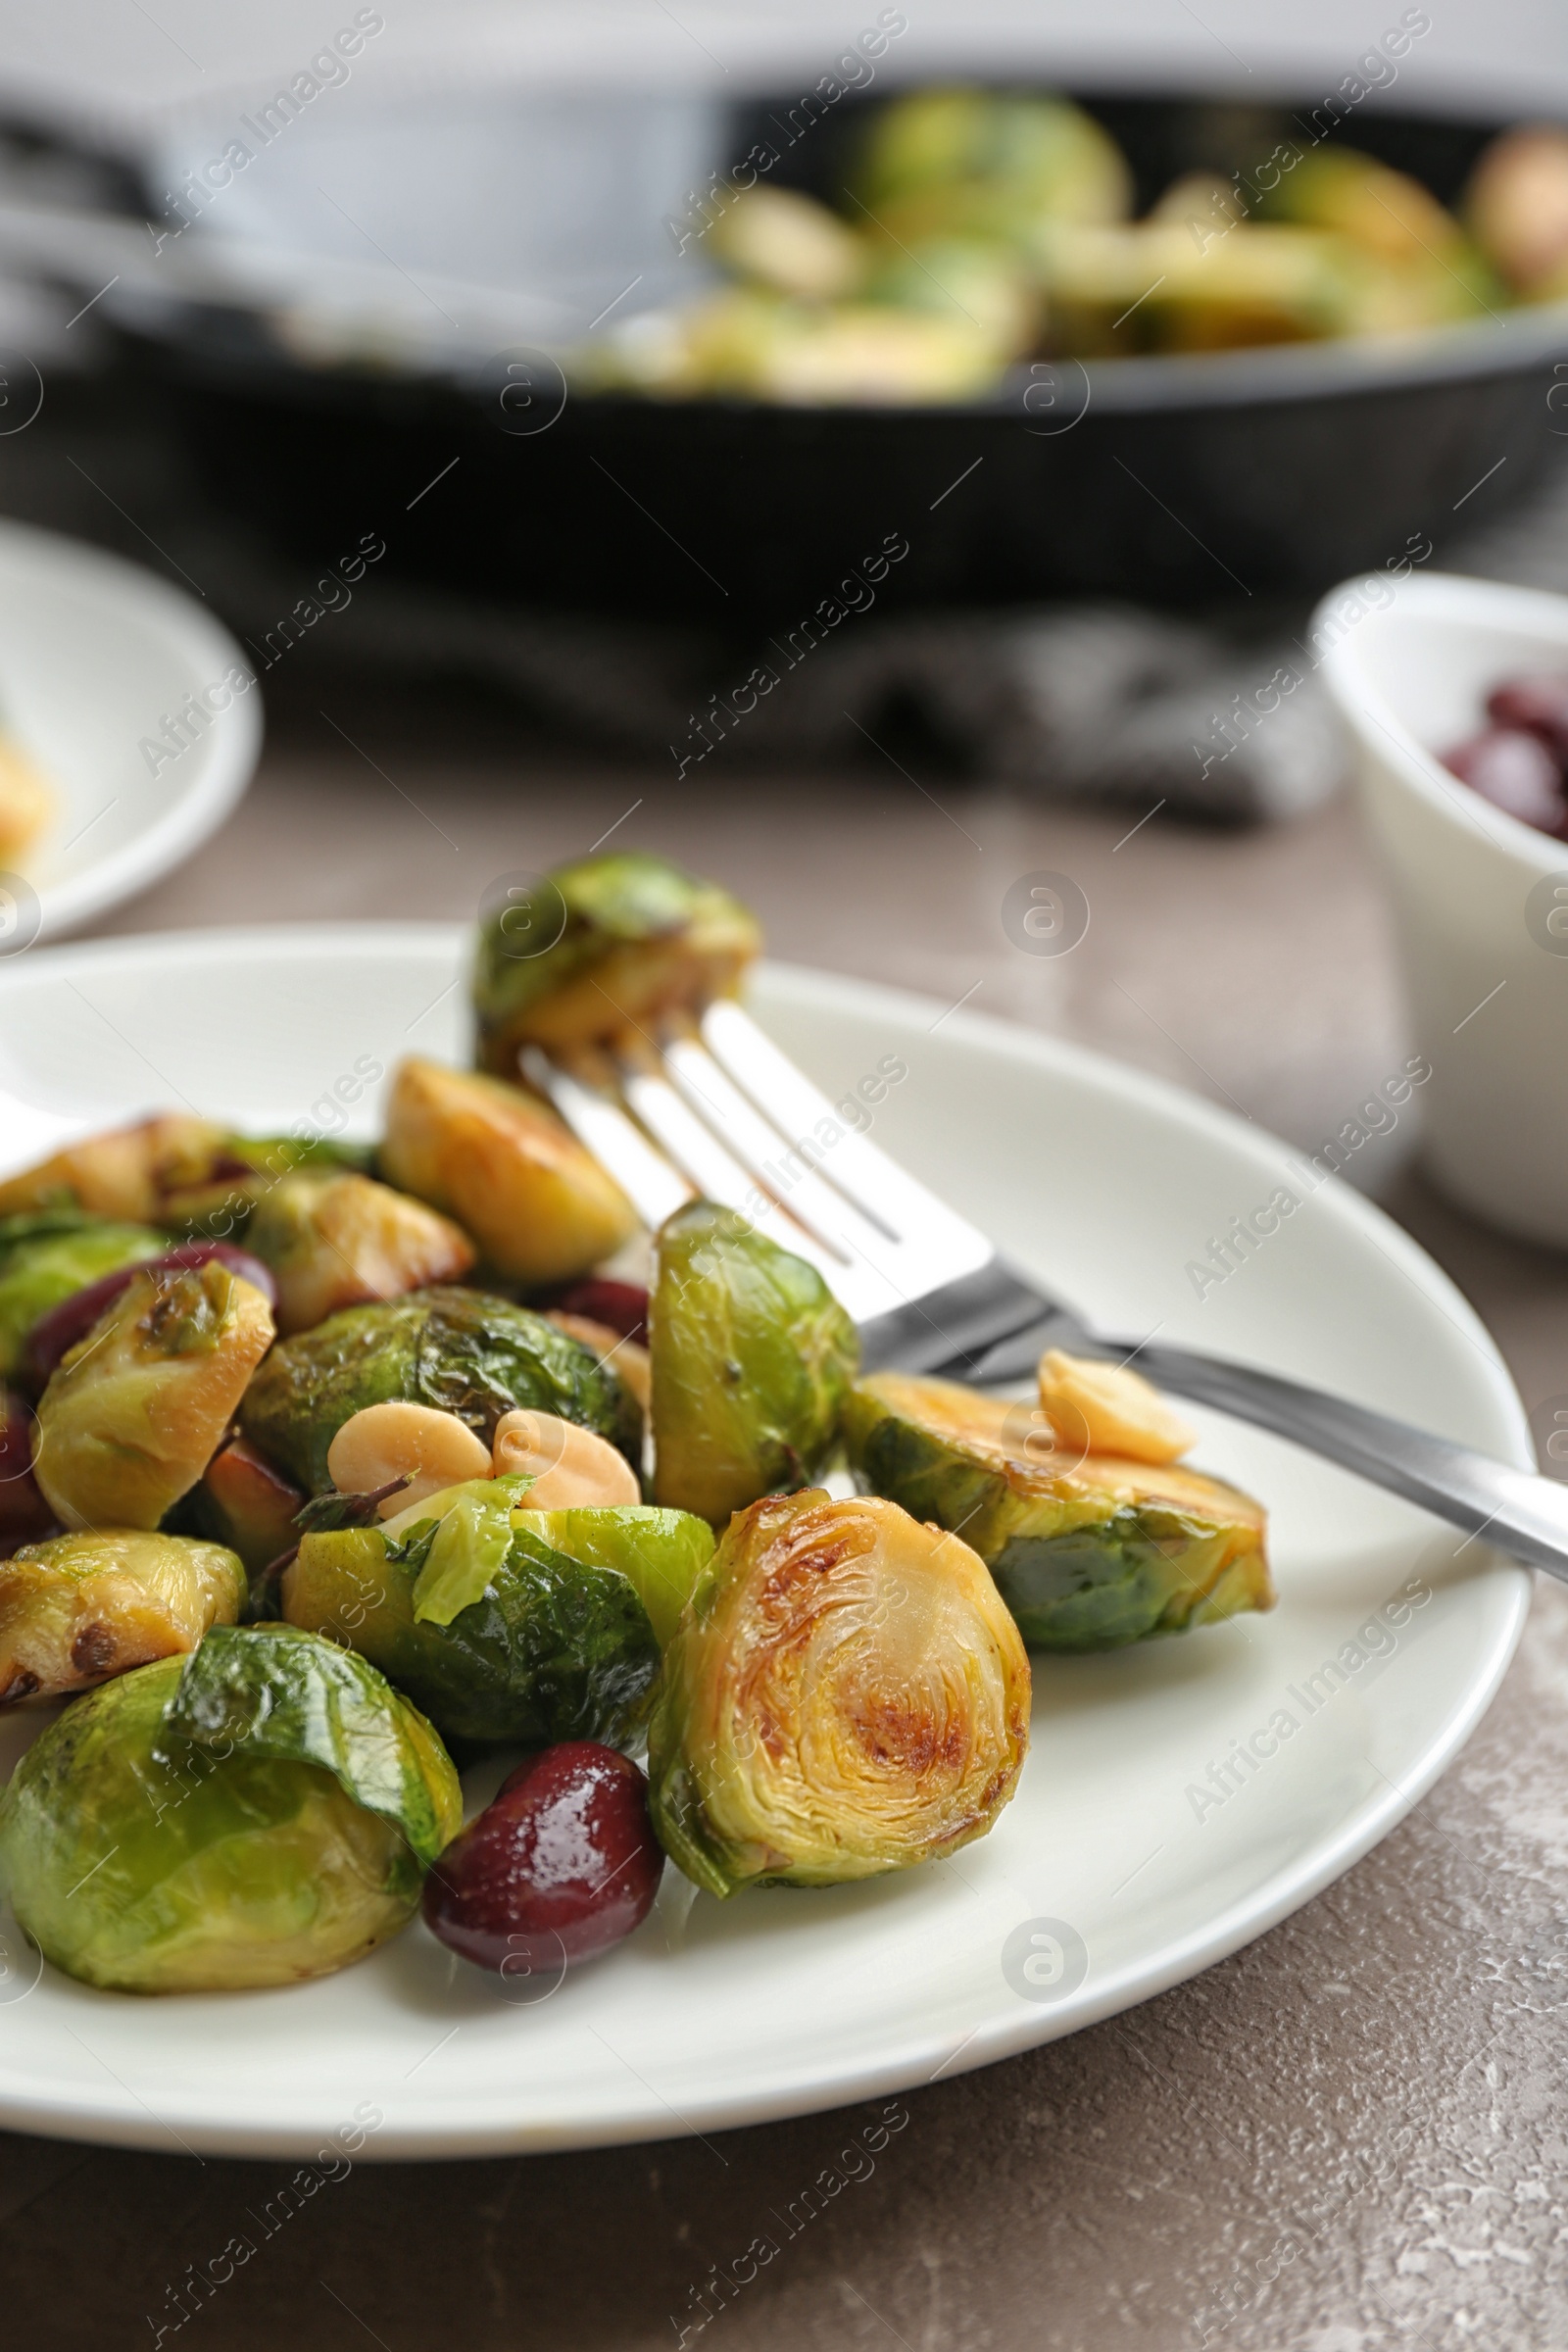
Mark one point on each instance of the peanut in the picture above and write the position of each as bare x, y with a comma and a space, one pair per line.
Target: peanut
569, 1465
1109, 1410
384, 1441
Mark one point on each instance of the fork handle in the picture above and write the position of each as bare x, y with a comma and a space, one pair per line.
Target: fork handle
1517, 1510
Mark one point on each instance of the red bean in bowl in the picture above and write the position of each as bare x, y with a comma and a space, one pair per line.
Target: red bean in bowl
1539, 705
1513, 769
57, 1332
563, 1865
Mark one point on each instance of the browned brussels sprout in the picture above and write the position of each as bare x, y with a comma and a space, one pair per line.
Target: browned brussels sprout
335, 1239
79, 1609
597, 951
752, 1357
137, 1410
846, 1695
514, 1176
188, 1175
1090, 1550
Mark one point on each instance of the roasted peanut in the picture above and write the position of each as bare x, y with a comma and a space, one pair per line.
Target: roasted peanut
569, 1465
1109, 1410
384, 1441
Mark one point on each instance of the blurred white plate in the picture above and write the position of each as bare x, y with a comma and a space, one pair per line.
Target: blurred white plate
95, 655
1107, 1878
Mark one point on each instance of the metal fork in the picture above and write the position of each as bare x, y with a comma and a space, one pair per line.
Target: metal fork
727, 1116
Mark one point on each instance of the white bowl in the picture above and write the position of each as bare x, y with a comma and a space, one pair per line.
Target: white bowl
1482, 932
95, 655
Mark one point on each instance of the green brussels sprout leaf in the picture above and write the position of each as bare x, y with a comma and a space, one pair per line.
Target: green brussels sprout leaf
555, 1636
272, 1691
150, 1858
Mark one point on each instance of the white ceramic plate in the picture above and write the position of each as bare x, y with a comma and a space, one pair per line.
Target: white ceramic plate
95, 654
1107, 1184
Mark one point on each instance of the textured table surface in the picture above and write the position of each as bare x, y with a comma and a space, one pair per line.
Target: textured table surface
1351, 2135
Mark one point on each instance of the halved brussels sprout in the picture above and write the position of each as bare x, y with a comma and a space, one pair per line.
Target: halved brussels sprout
187, 1174
137, 1410
506, 1625
846, 1695
259, 1813
79, 1608
515, 1175
1088, 1553
243, 1502
601, 948
48, 1255
751, 1360
462, 1352
335, 1239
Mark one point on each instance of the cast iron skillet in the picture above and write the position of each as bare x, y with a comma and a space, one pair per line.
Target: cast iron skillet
1206, 479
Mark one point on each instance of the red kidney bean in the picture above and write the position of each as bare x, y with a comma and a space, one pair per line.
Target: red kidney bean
1513, 770
563, 1865
620, 1306
1539, 705
63, 1325
25, 1517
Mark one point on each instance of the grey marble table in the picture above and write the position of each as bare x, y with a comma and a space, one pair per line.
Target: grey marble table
1348, 2136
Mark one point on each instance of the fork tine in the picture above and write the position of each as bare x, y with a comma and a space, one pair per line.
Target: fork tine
943, 1243
649, 1183
714, 1096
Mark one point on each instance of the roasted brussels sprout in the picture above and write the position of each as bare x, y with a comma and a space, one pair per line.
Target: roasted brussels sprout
48, 1255
462, 1352
980, 162
497, 1159
79, 1609
137, 1409
189, 1175
1089, 1553
259, 1813
334, 1240
846, 1695
793, 244
243, 1502
601, 948
504, 1624
752, 1358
